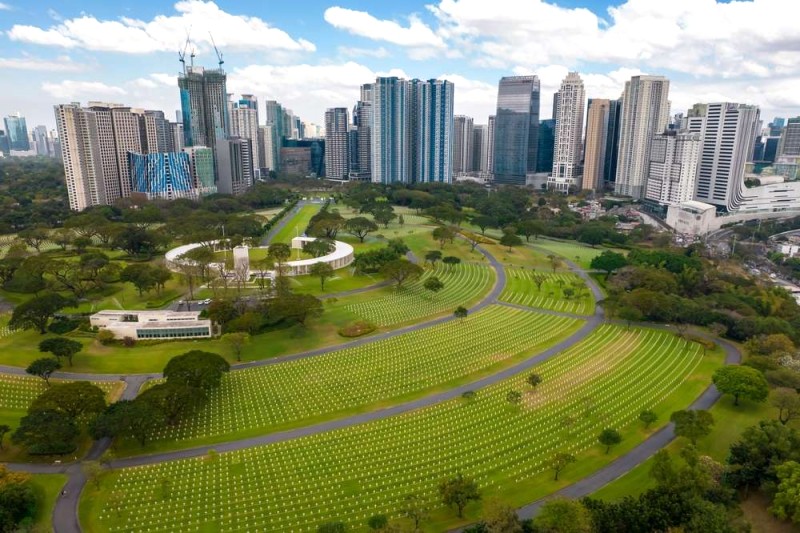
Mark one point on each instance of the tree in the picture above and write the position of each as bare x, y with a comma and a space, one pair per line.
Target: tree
63, 238
384, 214
4, 428
46, 433
332, 527
692, 424
562, 515
460, 312
609, 261
319, 247
530, 228
741, 382
43, 368
141, 275
279, 252
559, 462
34, 237
459, 491
555, 262
592, 235
442, 235
401, 270
61, 347
534, 380
484, 222
609, 437
323, 271
647, 417
196, 369
237, 340
377, 522
629, 314
415, 510
431, 256
92, 470
37, 312
451, 260
510, 240
433, 284
500, 518
514, 397
786, 503
76, 399
173, 401
401, 220
538, 280
360, 227
787, 402
752, 459
295, 308
18, 501
136, 419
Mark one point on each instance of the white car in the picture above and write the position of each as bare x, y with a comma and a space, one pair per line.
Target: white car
207, 301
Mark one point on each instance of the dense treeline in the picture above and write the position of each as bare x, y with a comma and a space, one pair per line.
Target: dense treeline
32, 192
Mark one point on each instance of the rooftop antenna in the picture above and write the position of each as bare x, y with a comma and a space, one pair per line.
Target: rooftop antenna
219, 55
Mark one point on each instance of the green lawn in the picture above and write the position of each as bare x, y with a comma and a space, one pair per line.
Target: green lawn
352, 473
47, 487
574, 251
521, 289
352, 380
297, 224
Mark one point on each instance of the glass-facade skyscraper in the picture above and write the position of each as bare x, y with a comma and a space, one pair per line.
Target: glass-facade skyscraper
435, 118
204, 106
17, 133
516, 131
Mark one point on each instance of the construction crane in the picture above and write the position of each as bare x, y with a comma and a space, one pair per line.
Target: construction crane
219, 55
182, 53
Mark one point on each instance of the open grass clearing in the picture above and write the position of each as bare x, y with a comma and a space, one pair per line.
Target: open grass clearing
297, 224
521, 289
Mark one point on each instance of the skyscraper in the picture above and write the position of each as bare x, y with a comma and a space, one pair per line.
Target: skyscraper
434, 115
567, 154
672, 174
516, 132
80, 149
612, 141
789, 144
127, 138
389, 139
40, 141
462, 152
729, 133
162, 175
490, 146
204, 105
5, 145
480, 148
337, 145
645, 112
547, 143
17, 133
596, 140
234, 163
244, 123
362, 119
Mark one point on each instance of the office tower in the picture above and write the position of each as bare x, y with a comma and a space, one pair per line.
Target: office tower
436, 130
789, 144
244, 122
567, 154
462, 152
596, 141
776, 126
480, 148
389, 142
547, 143
337, 145
5, 145
268, 147
234, 164
303, 157
352, 149
127, 138
201, 165
175, 136
362, 118
414, 135
162, 175
645, 112
516, 132
672, 173
771, 145
40, 141
728, 136
490, 146
758, 150
17, 133
204, 105
556, 98
274, 115
612, 141
80, 152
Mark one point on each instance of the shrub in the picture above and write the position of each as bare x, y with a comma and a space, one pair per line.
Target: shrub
105, 337
63, 325
129, 342
357, 329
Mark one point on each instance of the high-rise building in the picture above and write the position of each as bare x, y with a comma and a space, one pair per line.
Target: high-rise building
516, 132
155, 132
162, 175
337, 145
596, 141
5, 145
269, 147
480, 148
40, 141
729, 132
390, 150
362, 118
645, 112
201, 164
547, 143
672, 174
80, 149
175, 136
204, 105
434, 115
462, 152
490, 146
17, 133
789, 144
612, 141
244, 123
567, 154
234, 165
127, 138
776, 126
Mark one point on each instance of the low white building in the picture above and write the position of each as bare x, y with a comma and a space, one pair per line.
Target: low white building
692, 217
161, 324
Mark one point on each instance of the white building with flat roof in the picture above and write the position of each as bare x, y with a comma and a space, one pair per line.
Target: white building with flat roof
161, 324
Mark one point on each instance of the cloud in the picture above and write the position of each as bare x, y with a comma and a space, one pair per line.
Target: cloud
59, 64
164, 33
350, 51
81, 90
5, 7
420, 39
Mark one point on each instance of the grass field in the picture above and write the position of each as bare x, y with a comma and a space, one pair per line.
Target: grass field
47, 487
572, 250
350, 474
259, 400
521, 289
297, 224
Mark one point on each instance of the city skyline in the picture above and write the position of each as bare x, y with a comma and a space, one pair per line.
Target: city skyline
316, 59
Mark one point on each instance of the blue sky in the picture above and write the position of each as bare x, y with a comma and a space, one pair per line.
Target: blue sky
313, 54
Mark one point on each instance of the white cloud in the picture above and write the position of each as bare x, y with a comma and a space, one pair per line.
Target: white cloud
351, 51
419, 38
81, 90
59, 64
5, 7
164, 33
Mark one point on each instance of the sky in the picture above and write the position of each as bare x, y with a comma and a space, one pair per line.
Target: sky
314, 54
